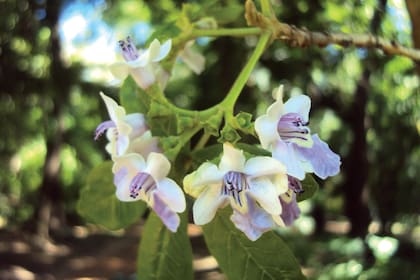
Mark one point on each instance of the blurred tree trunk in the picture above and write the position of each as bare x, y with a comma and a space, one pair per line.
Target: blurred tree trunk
356, 165
50, 197
413, 7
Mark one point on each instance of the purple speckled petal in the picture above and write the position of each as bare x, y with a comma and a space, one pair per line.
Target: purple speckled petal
324, 161
169, 218
102, 127
291, 209
253, 223
294, 184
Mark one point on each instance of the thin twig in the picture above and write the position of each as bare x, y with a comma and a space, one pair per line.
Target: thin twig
302, 37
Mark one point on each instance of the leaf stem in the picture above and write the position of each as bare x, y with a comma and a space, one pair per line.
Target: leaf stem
203, 141
235, 32
229, 102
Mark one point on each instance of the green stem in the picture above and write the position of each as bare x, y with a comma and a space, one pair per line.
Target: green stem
266, 7
236, 32
229, 102
202, 142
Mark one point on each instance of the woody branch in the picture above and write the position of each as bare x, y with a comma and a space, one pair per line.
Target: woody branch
302, 37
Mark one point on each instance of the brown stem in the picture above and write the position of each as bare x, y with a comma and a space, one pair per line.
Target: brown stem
302, 37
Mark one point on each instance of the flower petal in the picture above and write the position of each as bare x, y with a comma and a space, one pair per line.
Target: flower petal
324, 162
116, 112
194, 60
287, 154
164, 50
171, 194
206, 205
232, 159
133, 162
119, 70
121, 145
266, 128
122, 181
144, 145
260, 166
169, 218
264, 192
291, 209
143, 76
158, 166
254, 223
153, 50
300, 104
140, 62
206, 175
276, 110
138, 124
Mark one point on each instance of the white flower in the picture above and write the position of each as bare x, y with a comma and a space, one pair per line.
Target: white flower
142, 65
194, 60
284, 131
242, 183
137, 179
125, 132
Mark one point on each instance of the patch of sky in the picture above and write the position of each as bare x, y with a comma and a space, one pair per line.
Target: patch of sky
399, 18
88, 39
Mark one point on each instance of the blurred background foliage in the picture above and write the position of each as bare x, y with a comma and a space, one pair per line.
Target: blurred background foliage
362, 224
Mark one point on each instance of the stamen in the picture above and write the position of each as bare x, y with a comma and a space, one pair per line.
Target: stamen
128, 49
292, 126
102, 127
234, 183
141, 181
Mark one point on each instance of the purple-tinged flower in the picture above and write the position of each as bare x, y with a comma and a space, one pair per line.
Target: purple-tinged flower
288, 202
142, 64
125, 132
251, 187
284, 131
137, 179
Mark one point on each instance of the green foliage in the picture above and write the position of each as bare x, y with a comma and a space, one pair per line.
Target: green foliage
267, 258
163, 254
133, 98
98, 203
310, 187
229, 134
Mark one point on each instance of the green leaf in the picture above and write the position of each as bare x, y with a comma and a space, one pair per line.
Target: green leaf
163, 254
171, 146
133, 98
240, 258
98, 203
159, 110
253, 150
310, 187
226, 14
209, 153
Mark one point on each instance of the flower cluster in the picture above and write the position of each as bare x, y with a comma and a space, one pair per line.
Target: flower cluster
144, 67
261, 190
140, 169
